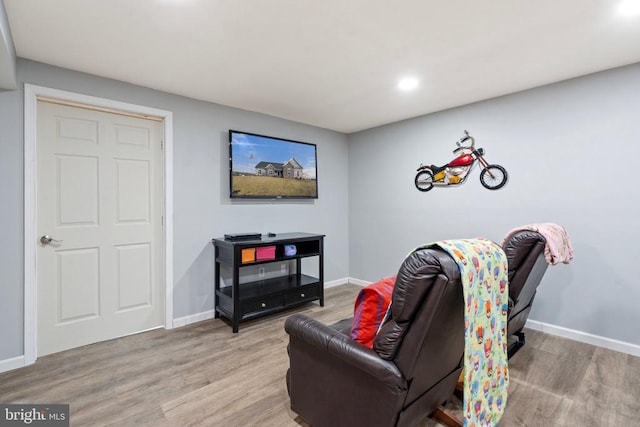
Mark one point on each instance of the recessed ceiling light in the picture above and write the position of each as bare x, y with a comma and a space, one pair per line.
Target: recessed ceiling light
408, 83
629, 7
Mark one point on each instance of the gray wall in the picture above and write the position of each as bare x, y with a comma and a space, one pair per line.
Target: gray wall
202, 208
571, 151
11, 218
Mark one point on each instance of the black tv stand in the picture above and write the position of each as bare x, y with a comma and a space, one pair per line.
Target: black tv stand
238, 302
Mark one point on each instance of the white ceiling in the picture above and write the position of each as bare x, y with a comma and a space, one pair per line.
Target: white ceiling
329, 63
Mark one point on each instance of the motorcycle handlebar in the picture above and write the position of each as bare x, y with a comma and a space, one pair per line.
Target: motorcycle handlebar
463, 140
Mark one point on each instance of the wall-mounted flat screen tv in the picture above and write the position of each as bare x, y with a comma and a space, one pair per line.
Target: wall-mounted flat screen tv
271, 168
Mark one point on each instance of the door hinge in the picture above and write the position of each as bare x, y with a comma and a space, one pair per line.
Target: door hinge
161, 144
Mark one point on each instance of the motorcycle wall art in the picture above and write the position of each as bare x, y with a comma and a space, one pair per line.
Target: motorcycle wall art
458, 170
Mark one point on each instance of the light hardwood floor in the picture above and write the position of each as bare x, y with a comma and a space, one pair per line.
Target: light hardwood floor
203, 375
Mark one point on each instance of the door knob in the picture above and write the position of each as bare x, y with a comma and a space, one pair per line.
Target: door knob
46, 240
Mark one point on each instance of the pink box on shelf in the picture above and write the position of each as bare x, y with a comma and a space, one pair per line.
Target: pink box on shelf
265, 252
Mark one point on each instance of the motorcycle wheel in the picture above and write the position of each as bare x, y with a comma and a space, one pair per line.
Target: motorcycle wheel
424, 180
493, 177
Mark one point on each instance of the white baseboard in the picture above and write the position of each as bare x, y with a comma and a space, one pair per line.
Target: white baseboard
11, 364
193, 318
608, 343
345, 280
338, 282
358, 282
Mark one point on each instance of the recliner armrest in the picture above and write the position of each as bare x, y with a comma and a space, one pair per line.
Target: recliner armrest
338, 345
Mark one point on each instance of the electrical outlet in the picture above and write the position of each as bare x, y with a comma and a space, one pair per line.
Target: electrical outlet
261, 272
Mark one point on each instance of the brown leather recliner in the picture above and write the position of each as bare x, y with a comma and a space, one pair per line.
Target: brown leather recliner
412, 368
527, 265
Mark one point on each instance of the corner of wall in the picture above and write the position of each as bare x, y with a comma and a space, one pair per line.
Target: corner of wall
8, 79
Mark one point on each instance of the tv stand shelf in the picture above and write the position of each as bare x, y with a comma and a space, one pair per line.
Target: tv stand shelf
238, 302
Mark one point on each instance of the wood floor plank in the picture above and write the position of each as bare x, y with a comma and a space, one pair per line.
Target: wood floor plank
204, 375
628, 404
537, 405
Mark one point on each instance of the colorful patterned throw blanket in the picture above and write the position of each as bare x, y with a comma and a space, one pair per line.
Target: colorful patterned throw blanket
483, 270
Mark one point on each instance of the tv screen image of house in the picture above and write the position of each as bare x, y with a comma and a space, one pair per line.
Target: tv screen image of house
269, 167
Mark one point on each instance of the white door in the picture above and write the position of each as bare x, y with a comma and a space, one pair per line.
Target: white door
99, 193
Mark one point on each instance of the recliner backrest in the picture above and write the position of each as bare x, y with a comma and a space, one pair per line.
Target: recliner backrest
427, 305
527, 265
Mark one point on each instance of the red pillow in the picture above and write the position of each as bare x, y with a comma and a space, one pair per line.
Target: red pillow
370, 309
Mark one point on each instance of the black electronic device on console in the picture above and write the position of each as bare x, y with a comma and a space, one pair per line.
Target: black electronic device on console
242, 236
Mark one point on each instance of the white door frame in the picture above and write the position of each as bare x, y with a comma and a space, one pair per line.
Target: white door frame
31, 94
